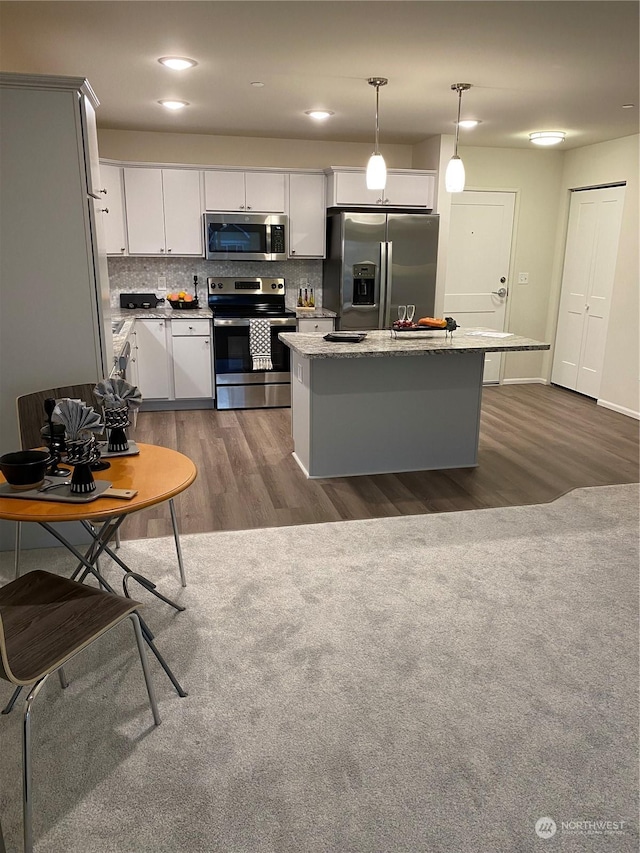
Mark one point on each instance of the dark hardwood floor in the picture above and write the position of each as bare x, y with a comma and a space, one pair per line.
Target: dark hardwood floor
536, 443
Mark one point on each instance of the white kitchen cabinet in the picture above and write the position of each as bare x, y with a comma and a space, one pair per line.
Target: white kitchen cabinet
192, 359
115, 229
316, 324
164, 211
259, 192
152, 359
405, 188
307, 215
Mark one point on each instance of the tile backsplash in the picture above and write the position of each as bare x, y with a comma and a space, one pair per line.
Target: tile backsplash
140, 275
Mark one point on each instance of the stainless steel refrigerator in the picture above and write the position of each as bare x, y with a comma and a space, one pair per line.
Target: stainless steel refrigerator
377, 261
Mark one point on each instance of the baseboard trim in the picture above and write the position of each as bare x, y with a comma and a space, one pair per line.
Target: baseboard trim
529, 380
621, 409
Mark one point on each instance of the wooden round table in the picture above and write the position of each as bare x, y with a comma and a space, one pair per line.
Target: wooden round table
158, 473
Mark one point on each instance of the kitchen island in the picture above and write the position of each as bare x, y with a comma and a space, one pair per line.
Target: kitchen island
406, 401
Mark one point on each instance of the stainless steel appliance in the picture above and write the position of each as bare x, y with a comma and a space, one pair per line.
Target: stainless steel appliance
245, 236
377, 261
235, 302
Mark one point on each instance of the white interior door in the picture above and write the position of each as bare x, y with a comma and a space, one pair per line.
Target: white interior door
587, 281
477, 280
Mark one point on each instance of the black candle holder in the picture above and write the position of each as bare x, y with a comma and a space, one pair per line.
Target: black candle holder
81, 453
116, 420
57, 447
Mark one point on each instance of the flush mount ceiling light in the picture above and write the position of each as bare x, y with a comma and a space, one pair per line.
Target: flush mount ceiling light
468, 123
319, 114
547, 137
376, 167
454, 176
258, 84
173, 105
177, 63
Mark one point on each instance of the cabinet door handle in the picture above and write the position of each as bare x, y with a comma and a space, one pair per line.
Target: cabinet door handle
104, 210
104, 192
249, 207
162, 250
241, 207
168, 250
122, 249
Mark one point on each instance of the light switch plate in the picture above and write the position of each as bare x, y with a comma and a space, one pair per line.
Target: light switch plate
162, 282
523, 278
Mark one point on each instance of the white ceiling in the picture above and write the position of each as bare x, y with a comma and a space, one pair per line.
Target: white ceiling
534, 65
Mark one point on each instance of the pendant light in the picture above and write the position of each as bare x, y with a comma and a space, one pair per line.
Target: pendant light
454, 176
376, 167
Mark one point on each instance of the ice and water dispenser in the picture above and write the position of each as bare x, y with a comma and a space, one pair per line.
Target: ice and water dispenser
364, 284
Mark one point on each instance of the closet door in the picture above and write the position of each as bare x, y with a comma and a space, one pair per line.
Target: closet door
587, 283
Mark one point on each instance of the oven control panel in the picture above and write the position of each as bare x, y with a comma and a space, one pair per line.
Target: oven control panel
227, 285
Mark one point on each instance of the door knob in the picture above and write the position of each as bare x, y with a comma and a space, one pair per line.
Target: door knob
501, 293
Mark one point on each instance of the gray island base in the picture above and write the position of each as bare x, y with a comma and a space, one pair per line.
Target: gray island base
389, 404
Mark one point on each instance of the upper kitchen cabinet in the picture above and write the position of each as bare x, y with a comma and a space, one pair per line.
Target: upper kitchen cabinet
405, 188
260, 192
307, 215
115, 228
164, 211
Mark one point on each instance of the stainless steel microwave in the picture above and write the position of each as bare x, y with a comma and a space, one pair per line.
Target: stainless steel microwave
245, 237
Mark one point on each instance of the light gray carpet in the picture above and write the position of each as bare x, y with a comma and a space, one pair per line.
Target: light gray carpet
432, 683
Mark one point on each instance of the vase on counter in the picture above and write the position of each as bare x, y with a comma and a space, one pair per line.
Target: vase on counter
81, 453
116, 421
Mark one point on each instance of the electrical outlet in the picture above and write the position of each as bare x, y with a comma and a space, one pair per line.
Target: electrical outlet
162, 282
523, 278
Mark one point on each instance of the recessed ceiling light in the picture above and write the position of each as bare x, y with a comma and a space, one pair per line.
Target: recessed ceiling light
177, 63
174, 105
469, 122
257, 84
547, 137
319, 114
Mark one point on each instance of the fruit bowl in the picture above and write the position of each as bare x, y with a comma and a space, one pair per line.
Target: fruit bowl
176, 302
183, 303
25, 469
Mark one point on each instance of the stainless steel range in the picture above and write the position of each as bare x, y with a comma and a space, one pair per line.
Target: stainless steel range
242, 382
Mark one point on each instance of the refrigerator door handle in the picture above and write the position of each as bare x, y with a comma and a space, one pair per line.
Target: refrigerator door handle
382, 299
388, 289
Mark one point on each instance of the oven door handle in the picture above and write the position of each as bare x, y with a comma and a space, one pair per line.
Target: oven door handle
283, 322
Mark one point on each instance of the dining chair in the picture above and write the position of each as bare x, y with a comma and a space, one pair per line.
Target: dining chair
45, 620
30, 408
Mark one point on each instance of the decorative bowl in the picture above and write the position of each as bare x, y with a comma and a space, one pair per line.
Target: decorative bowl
25, 469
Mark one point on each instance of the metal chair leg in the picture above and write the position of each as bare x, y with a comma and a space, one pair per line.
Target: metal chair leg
176, 536
145, 667
8, 708
16, 557
27, 796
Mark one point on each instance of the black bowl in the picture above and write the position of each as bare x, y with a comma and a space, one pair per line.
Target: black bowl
25, 469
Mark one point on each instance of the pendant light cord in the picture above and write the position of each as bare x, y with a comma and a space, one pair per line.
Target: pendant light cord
377, 127
455, 151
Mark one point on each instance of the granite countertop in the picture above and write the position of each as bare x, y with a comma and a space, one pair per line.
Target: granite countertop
161, 312
385, 343
313, 313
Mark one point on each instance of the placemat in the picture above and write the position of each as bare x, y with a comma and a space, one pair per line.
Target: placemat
132, 450
61, 494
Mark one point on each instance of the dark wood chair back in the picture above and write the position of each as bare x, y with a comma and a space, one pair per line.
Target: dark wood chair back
32, 416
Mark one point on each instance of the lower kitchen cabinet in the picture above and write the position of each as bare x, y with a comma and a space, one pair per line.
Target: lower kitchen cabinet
192, 360
316, 324
152, 359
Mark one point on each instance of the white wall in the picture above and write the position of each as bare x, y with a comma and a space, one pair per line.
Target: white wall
605, 163
535, 175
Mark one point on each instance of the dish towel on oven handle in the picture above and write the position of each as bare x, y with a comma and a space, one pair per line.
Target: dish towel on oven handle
260, 344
